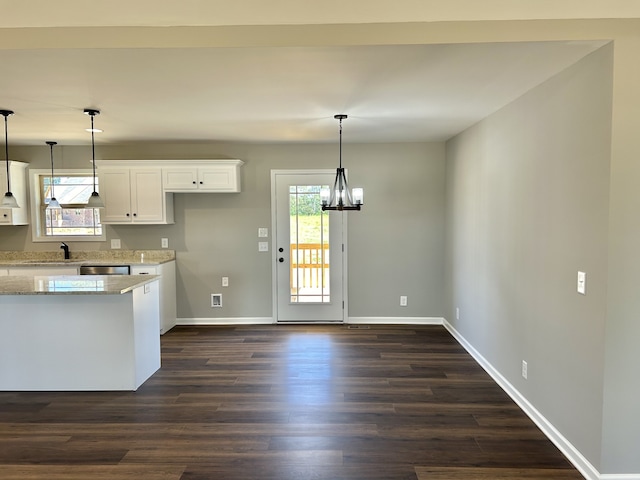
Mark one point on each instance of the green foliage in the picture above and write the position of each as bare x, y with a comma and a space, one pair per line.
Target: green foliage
307, 204
307, 228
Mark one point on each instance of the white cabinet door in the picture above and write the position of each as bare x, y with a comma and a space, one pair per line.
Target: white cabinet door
18, 181
180, 179
147, 197
134, 195
167, 286
205, 176
222, 178
6, 215
115, 191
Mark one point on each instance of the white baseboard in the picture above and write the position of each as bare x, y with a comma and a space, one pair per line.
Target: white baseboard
269, 320
621, 476
572, 453
225, 321
397, 320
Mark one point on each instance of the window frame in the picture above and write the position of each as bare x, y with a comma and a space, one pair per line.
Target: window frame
37, 213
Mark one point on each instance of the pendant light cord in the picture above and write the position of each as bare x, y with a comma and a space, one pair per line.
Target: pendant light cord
93, 153
6, 150
340, 142
51, 144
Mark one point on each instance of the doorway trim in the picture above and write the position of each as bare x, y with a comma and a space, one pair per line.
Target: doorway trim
274, 252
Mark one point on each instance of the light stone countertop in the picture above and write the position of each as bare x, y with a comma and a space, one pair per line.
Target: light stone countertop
97, 257
72, 284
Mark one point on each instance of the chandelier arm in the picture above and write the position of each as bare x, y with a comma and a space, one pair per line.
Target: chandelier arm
340, 193
334, 190
346, 189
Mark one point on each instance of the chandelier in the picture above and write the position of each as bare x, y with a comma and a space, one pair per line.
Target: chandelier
340, 197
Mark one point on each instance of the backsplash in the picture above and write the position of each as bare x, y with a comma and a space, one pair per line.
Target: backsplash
120, 256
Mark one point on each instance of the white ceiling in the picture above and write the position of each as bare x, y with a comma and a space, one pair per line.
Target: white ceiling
272, 94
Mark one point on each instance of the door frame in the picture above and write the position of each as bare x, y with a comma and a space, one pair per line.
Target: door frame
274, 249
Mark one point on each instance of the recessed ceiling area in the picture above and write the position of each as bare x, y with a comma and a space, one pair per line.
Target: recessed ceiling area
393, 93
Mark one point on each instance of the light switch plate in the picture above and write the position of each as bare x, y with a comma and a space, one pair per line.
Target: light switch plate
225, 281
263, 232
582, 283
115, 243
263, 246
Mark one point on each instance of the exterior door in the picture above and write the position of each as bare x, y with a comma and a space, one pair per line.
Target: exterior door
308, 249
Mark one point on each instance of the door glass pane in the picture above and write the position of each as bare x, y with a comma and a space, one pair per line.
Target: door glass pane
309, 246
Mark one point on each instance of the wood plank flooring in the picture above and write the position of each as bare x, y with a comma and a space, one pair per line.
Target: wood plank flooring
275, 402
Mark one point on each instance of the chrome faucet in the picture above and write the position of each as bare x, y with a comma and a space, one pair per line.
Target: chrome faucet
65, 247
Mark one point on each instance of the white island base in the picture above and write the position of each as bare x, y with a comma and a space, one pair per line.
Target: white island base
84, 341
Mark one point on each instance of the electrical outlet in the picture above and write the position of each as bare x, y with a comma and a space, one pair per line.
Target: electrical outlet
216, 300
457, 313
263, 246
164, 243
403, 300
225, 281
524, 369
115, 243
263, 232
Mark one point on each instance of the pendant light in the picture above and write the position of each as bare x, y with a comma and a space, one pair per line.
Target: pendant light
53, 202
9, 200
94, 201
340, 198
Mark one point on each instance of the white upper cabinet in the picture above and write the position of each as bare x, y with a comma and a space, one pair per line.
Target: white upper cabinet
141, 191
133, 195
18, 178
206, 176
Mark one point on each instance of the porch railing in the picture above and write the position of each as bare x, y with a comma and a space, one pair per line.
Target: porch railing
309, 267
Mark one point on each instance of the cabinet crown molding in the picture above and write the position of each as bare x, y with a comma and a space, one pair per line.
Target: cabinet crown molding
169, 163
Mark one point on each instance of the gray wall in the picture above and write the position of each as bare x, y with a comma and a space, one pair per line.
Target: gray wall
527, 207
215, 235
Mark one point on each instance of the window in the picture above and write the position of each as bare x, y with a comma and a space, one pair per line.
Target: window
74, 221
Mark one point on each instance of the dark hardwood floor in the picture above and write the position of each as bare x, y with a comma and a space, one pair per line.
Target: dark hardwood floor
285, 402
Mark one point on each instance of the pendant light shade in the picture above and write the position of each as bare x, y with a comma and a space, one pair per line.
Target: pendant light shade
94, 201
53, 202
340, 197
8, 201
